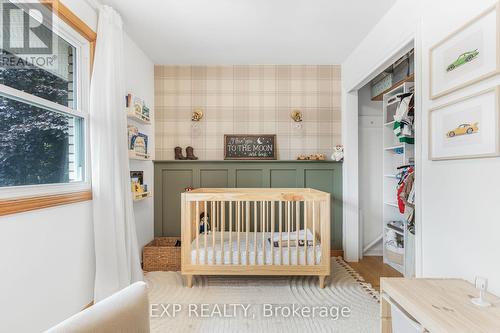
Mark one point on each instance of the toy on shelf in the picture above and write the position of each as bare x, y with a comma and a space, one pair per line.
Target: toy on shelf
312, 157
338, 153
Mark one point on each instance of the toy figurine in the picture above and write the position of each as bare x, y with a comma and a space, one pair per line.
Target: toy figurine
338, 153
204, 222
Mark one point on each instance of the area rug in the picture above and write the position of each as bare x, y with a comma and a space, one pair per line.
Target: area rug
263, 304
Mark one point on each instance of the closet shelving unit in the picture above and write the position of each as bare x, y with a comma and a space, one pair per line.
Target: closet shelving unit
395, 154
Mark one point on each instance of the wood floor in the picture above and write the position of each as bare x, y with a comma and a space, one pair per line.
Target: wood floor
372, 269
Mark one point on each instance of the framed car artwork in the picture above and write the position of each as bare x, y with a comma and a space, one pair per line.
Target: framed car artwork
466, 128
466, 56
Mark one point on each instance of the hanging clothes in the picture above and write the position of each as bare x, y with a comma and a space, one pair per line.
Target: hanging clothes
406, 197
403, 119
402, 185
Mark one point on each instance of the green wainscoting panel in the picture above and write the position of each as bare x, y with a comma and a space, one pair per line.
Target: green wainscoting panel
249, 178
173, 184
283, 178
172, 177
214, 178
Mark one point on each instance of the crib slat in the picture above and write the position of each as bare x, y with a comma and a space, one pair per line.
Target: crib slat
197, 226
255, 233
273, 213
205, 229
297, 227
247, 226
306, 204
314, 231
280, 227
238, 218
262, 231
214, 214
223, 226
289, 216
231, 232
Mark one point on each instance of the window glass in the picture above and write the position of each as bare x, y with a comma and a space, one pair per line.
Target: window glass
49, 74
38, 146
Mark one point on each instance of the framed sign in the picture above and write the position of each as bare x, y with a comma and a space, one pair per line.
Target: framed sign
468, 55
250, 147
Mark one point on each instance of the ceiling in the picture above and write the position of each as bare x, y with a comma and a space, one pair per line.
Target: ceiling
249, 31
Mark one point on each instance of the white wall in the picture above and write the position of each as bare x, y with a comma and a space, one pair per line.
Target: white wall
370, 169
139, 80
47, 272
461, 228
47, 256
457, 226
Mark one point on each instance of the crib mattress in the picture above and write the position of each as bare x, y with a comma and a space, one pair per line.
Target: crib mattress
206, 252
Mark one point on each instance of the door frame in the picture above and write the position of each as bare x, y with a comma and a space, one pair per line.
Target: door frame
351, 222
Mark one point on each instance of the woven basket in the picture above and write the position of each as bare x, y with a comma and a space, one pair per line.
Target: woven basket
161, 254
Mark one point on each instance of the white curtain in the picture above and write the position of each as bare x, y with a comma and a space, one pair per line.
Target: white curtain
116, 249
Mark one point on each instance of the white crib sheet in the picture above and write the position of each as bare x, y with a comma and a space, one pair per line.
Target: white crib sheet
260, 250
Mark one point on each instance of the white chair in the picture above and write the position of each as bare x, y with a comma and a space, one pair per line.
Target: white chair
125, 311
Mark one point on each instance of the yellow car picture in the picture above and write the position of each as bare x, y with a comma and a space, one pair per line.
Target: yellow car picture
463, 129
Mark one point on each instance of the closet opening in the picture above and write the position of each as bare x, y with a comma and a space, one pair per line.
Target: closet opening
386, 165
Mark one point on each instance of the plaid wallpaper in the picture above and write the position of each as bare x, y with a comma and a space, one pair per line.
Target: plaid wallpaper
247, 99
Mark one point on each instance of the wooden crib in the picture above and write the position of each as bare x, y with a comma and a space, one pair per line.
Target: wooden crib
255, 231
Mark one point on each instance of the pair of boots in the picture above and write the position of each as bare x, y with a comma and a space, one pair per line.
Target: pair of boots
189, 153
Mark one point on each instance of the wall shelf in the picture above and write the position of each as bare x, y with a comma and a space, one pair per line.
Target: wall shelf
141, 196
138, 117
133, 155
394, 147
396, 85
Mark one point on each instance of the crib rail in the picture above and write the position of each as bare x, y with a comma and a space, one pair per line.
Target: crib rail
272, 229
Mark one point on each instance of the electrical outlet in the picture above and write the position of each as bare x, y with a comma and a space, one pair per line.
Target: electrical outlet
481, 283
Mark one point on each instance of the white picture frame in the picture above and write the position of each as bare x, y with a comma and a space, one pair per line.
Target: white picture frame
466, 128
466, 56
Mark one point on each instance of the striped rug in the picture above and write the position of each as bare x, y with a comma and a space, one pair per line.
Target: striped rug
263, 304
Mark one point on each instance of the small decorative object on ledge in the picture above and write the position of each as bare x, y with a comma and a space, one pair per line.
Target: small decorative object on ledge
249, 147
190, 153
338, 153
312, 157
178, 154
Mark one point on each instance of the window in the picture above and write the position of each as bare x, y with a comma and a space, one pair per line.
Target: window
44, 87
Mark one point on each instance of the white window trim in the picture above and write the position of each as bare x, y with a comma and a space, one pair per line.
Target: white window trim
82, 81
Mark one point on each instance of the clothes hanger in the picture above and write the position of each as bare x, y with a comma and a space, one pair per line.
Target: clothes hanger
405, 166
401, 96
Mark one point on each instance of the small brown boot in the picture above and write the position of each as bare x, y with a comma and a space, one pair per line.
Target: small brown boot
190, 153
178, 154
